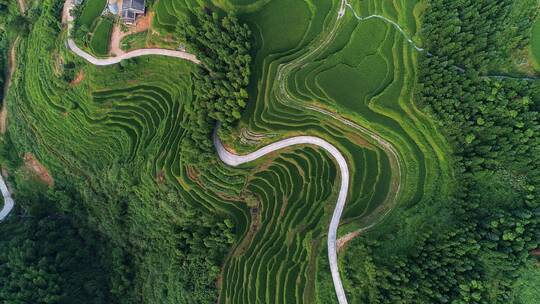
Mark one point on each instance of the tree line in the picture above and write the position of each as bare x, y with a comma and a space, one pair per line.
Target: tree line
223, 46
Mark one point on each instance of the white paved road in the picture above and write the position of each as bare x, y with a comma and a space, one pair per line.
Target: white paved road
8, 201
68, 19
236, 160
136, 53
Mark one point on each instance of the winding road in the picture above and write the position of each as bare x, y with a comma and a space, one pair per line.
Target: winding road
9, 203
282, 94
236, 160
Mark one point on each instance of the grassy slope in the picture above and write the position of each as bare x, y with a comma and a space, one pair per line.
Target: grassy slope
527, 286
129, 114
387, 105
91, 11
101, 38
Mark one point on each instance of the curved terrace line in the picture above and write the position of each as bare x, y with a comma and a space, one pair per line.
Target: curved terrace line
346, 4
236, 160
283, 96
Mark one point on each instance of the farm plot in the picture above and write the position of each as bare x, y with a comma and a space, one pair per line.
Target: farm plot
101, 37
293, 205
362, 70
365, 75
91, 10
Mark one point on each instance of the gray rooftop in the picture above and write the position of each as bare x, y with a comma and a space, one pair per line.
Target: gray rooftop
137, 5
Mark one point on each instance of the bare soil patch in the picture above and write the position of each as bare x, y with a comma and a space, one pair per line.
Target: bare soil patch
34, 166
343, 241
22, 6
78, 78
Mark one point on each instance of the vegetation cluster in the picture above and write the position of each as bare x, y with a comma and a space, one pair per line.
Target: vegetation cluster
92, 29
153, 234
492, 121
222, 44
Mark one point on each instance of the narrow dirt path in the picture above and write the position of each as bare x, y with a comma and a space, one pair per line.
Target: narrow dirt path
22, 6
116, 38
9, 75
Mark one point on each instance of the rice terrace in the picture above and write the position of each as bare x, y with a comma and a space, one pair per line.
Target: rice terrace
270, 151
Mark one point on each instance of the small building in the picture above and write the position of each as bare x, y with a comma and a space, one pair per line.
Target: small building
132, 9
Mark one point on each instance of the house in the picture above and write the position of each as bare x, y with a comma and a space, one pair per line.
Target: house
132, 9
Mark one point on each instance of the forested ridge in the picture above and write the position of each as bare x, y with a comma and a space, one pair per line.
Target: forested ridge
223, 46
46, 258
493, 219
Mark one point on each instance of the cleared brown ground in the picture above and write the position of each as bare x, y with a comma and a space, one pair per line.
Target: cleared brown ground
78, 78
34, 166
343, 241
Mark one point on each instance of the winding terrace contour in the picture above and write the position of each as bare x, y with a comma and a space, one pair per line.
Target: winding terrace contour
236, 160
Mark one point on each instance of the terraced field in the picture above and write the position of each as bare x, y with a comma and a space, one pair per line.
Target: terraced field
275, 262
105, 122
346, 76
321, 69
321, 59
91, 11
101, 37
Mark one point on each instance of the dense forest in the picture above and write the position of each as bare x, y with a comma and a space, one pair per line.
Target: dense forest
223, 46
493, 124
46, 258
